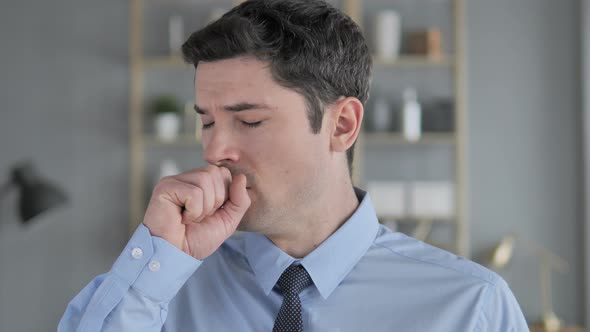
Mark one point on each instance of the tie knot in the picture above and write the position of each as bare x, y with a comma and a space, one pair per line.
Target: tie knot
294, 279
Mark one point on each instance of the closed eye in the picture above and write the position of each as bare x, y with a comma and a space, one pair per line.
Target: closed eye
248, 124
252, 124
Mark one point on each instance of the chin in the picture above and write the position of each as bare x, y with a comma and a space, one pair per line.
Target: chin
251, 222
245, 224
258, 216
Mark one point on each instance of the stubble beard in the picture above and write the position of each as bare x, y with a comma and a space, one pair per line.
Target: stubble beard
255, 219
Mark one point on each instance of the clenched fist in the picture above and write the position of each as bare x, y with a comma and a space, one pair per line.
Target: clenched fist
197, 210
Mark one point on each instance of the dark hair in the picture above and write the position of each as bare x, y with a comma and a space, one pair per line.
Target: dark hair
311, 47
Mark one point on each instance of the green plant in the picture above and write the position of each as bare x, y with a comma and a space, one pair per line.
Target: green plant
165, 104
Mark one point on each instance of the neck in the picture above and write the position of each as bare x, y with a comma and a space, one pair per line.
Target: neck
318, 221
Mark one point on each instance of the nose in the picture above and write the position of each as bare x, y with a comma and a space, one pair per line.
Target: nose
219, 146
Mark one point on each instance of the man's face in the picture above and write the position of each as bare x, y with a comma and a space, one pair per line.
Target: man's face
254, 126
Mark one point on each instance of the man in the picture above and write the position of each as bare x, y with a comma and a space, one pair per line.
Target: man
280, 87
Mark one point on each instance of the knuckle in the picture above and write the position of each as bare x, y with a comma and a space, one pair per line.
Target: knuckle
214, 171
162, 185
167, 179
211, 168
202, 177
197, 193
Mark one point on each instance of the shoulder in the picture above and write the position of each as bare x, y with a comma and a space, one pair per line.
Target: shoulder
425, 259
413, 262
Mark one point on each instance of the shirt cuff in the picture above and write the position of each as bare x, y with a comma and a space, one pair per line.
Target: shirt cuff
153, 266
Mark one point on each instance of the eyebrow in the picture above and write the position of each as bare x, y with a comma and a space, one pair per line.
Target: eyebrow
235, 108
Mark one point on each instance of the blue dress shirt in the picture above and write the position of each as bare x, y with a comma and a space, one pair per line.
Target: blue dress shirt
365, 278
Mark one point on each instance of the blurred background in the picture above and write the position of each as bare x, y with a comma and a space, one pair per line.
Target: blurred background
474, 139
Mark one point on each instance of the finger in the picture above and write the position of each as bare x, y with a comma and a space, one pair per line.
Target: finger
193, 209
204, 179
239, 200
191, 176
206, 182
183, 195
225, 181
221, 190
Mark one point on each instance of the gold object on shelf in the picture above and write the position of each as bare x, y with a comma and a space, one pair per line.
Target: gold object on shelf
422, 230
502, 254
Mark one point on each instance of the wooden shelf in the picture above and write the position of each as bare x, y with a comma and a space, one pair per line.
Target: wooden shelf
537, 328
183, 140
418, 219
209, 3
167, 61
388, 138
176, 61
368, 138
414, 61
140, 141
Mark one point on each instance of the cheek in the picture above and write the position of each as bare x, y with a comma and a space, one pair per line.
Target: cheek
298, 159
273, 160
266, 144
284, 156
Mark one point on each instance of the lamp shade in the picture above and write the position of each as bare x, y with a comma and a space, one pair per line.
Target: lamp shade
37, 195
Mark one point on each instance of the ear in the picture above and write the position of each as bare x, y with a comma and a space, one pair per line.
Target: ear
347, 116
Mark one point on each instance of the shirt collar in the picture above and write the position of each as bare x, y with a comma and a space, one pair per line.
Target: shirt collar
329, 263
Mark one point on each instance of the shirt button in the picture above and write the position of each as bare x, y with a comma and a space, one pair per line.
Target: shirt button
136, 253
154, 266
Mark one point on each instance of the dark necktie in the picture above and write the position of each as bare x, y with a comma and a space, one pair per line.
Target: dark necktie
292, 282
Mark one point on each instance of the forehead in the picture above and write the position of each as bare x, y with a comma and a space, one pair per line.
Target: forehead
236, 78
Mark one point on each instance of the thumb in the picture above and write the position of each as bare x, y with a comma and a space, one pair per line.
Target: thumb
239, 200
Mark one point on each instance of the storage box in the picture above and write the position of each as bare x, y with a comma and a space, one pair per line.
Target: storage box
425, 42
388, 198
432, 199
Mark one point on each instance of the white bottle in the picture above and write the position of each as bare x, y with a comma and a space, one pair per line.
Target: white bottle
168, 167
387, 34
412, 116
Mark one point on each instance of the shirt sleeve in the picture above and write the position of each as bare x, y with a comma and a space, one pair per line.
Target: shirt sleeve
134, 294
501, 312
